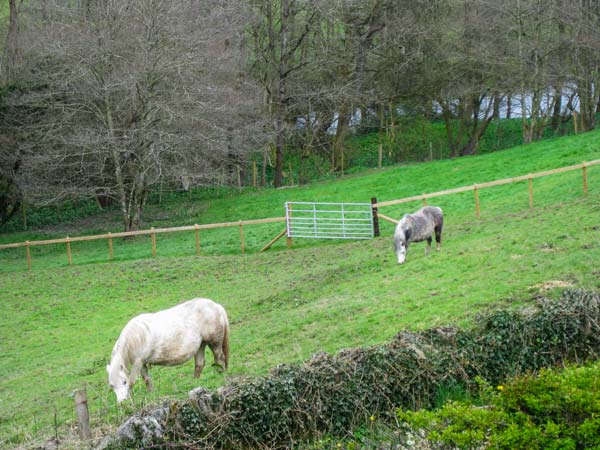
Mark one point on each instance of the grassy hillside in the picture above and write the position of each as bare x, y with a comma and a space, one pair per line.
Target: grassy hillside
59, 323
413, 139
386, 184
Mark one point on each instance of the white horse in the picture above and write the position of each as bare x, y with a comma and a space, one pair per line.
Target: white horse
168, 338
418, 227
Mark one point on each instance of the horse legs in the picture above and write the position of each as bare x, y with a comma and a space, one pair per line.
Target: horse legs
136, 368
147, 378
219, 355
438, 237
428, 248
200, 361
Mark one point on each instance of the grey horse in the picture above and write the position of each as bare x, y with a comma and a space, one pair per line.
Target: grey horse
418, 227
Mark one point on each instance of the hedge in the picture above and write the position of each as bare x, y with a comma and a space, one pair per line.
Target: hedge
335, 393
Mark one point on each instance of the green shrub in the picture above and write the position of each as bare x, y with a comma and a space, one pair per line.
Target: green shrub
553, 410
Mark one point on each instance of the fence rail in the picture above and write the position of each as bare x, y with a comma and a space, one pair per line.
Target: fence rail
375, 205
425, 196
151, 231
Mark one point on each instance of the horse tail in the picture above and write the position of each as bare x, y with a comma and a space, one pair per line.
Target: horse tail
225, 343
439, 225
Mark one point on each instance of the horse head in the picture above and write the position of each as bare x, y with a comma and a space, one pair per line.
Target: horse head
118, 379
400, 249
401, 239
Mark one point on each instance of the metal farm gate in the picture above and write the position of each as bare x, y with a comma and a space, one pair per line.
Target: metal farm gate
329, 220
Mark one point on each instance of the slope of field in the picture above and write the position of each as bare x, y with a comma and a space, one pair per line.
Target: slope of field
387, 184
59, 323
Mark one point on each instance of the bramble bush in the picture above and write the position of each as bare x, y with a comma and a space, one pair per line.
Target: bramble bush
333, 394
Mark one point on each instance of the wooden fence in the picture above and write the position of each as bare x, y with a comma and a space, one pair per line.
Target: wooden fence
152, 232
476, 187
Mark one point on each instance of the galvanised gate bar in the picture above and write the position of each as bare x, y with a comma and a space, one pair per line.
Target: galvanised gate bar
329, 220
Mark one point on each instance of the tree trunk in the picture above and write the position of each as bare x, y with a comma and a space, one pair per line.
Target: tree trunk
525, 126
279, 147
281, 92
557, 109
340, 135
381, 135
11, 47
588, 101
263, 181
447, 116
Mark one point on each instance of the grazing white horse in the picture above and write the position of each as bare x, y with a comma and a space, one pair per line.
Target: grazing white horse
168, 338
418, 227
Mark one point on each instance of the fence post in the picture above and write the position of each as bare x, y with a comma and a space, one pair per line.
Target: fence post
83, 416
477, 210
424, 199
530, 183
69, 257
153, 236
28, 253
376, 232
585, 181
197, 231
110, 246
242, 237
254, 173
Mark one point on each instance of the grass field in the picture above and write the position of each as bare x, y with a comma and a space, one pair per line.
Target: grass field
59, 322
386, 184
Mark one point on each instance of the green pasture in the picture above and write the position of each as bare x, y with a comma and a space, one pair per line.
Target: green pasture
386, 184
58, 323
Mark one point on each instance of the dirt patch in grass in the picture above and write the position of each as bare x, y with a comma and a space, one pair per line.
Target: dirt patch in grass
552, 284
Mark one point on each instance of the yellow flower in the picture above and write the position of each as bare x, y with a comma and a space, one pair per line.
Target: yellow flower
372, 418
500, 388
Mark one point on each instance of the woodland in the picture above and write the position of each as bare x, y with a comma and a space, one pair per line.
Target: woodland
106, 100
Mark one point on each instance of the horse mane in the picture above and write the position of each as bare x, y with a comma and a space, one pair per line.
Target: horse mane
403, 228
132, 338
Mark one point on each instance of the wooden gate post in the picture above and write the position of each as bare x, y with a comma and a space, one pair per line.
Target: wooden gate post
153, 236
477, 210
83, 416
376, 232
585, 180
69, 257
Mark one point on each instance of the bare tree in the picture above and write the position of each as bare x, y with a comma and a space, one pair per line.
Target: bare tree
11, 54
581, 22
279, 30
135, 93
